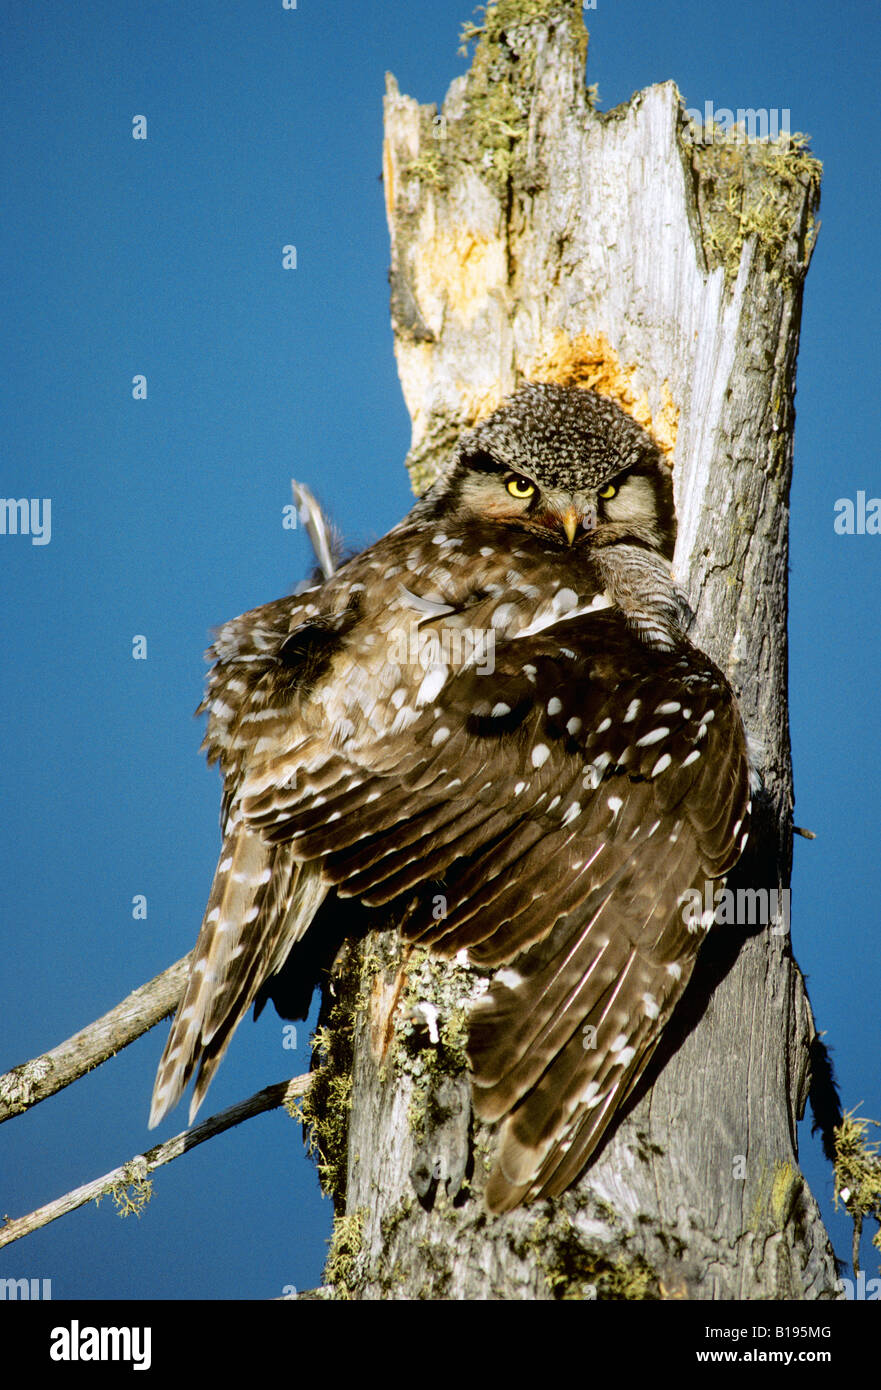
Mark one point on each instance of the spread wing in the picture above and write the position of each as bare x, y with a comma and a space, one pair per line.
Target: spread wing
263, 898
564, 804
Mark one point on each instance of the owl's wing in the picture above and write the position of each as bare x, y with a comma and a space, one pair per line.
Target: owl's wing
564, 805
263, 898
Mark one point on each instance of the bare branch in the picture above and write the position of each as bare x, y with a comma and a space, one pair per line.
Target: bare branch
33, 1081
135, 1174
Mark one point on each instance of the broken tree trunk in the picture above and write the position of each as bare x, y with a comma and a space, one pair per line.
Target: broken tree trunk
534, 238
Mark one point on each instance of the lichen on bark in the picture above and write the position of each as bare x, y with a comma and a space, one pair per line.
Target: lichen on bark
755, 188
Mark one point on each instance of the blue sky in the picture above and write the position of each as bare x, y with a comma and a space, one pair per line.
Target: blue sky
163, 257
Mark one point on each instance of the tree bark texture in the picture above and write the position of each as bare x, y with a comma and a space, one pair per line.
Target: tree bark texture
533, 238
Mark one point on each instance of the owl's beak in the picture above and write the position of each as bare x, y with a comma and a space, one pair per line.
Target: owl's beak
571, 521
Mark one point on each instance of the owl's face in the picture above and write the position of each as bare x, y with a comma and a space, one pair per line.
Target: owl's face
567, 465
556, 514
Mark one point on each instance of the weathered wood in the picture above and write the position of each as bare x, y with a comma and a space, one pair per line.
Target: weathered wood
534, 238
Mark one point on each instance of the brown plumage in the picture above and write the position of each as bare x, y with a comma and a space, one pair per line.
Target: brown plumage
497, 696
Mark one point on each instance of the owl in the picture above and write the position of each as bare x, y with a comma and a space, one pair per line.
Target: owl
496, 703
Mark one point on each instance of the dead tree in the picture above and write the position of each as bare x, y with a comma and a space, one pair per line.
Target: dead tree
534, 238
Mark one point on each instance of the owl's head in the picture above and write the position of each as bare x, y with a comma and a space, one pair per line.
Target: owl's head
567, 465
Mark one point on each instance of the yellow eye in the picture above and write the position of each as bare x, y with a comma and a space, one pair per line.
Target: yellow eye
520, 487
608, 491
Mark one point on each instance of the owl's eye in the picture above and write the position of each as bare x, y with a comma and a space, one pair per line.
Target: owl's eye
520, 487
608, 491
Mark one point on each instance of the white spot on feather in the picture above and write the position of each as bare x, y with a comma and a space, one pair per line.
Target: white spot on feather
503, 615
590, 1096
564, 601
432, 684
654, 737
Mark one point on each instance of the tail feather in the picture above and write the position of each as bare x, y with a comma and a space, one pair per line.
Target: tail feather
325, 541
261, 902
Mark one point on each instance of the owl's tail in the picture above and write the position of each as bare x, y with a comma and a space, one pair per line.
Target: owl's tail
261, 902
